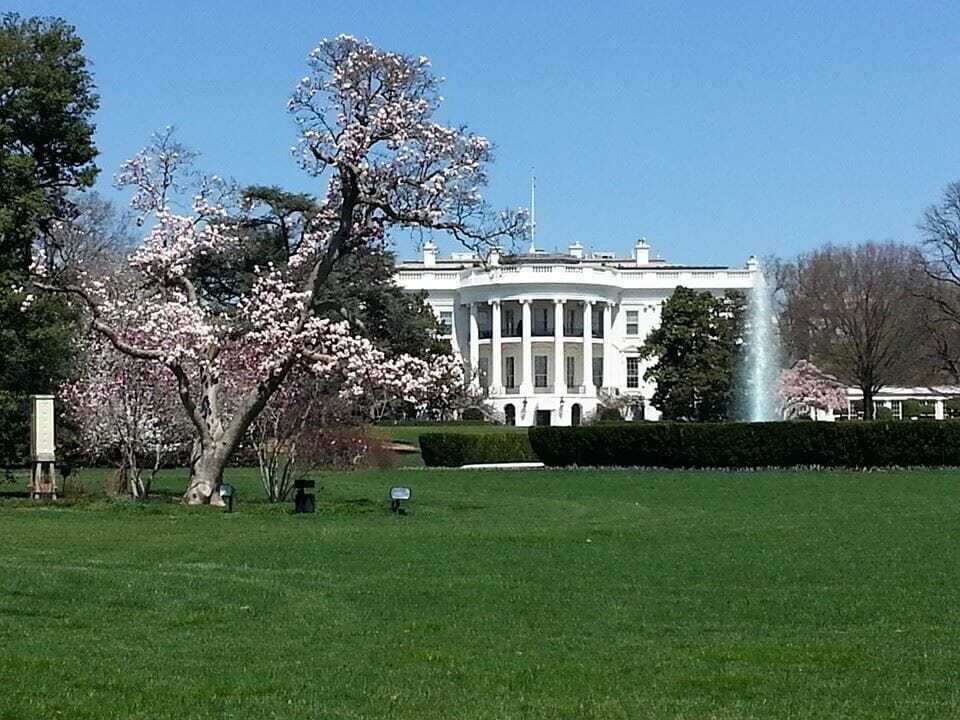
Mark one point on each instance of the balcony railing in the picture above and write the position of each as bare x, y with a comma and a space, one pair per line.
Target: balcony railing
542, 389
573, 330
542, 331
511, 390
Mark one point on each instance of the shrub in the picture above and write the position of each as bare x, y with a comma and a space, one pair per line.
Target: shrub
456, 449
472, 414
751, 445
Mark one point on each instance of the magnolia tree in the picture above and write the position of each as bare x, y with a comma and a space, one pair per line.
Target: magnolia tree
361, 386
366, 127
125, 409
804, 386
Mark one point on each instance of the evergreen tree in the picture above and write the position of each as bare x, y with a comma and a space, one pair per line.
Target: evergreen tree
696, 349
47, 102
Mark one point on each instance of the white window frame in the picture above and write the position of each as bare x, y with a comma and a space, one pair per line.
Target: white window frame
540, 379
445, 319
633, 320
633, 363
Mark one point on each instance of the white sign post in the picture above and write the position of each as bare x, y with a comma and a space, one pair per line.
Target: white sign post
42, 447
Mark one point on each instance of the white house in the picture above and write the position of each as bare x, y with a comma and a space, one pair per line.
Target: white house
547, 335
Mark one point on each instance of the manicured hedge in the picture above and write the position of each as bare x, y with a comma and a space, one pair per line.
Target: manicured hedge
456, 449
750, 445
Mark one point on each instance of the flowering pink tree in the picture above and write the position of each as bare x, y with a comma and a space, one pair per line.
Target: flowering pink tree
125, 408
804, 385
367, 129
358, 384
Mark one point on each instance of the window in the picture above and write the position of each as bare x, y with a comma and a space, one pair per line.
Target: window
509, 323
446, 322
544, 320
633, 322
571, 367
484, 372
510, 376
540, 371
598, 371
633, 372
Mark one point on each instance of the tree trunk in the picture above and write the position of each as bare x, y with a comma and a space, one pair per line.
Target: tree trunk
206, 473
868, 409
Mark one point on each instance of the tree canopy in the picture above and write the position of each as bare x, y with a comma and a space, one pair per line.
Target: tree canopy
696, 351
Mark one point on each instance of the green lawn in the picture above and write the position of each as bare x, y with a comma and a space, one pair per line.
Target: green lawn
411, 433
575, 594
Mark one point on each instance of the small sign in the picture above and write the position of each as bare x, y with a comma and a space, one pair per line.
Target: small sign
42, 442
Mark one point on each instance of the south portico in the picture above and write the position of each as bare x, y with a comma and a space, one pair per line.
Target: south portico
538, 356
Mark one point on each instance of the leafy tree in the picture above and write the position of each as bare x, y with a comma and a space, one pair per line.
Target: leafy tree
47, 102
361, 288
696, 350
366, 129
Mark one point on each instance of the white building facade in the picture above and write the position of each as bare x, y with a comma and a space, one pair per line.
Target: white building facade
546, 337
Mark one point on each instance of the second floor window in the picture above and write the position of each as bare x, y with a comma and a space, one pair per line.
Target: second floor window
633, 372
633, 322
540, 371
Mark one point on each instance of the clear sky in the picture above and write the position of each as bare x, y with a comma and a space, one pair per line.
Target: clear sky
716, 132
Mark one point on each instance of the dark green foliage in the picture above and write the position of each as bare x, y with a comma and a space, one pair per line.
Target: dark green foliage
455, 449
752, 445
47, 102
608, 415
917, 409
696, 350
472, 414
361, 288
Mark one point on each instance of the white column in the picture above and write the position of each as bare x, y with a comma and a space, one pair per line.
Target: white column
588, 387
496, 358
526, 350
474, 346
559, 370
938, 409
609, 363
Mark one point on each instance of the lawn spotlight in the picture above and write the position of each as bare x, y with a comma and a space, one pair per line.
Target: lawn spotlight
304, 502
226, 493
397, 496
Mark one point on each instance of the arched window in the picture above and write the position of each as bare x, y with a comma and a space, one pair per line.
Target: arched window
510, 414
575, 414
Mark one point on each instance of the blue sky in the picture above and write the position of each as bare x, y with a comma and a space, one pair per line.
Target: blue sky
716, 132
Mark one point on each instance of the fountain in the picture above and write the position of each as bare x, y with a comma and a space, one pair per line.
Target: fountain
761, 362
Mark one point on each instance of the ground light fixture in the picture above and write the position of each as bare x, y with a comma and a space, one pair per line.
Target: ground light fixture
399, 495
226, 493
303, 501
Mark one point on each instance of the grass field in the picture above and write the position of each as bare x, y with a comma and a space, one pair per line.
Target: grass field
546, 594
411, 433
